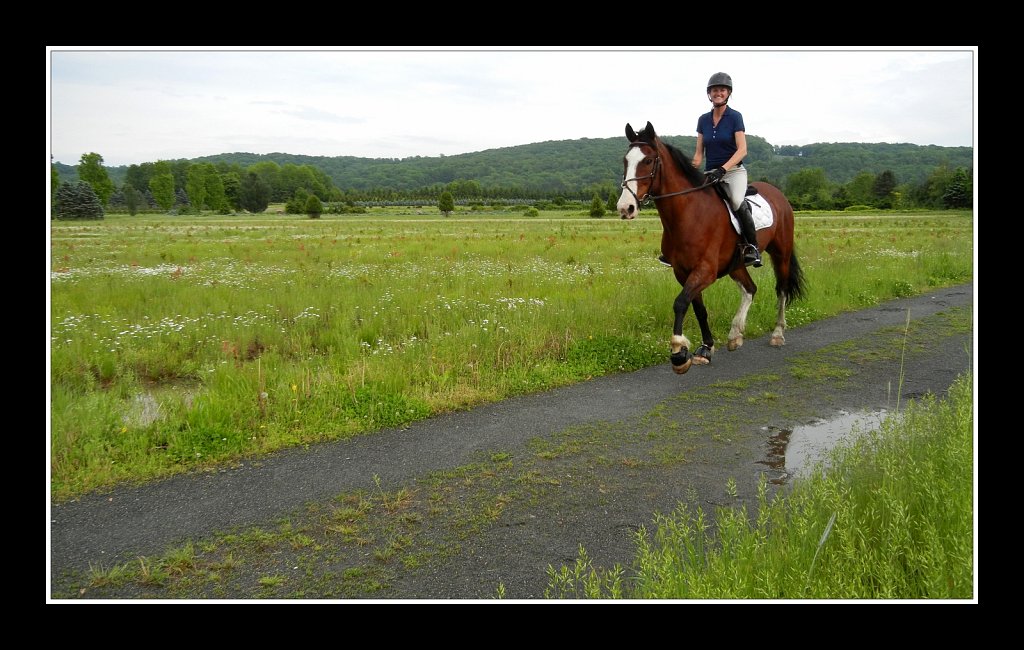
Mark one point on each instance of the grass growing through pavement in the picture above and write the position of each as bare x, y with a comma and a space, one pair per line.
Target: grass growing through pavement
177, 343
362, 543
891, 519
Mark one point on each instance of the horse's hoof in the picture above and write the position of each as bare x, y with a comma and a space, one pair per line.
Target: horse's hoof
702, 355
681, 361
735, 343
778, 341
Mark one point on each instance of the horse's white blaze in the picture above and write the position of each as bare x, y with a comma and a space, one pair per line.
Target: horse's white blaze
679, 342
633, 158
739, 322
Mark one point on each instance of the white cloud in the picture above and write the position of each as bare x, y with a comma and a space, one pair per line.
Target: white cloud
137, 106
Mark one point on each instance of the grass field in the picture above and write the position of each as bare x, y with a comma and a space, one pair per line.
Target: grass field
892, 518
177, 343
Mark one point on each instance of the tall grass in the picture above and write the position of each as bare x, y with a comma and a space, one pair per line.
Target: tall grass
179, 342
891, 519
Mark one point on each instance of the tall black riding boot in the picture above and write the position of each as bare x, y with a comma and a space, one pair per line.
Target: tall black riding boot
750, 253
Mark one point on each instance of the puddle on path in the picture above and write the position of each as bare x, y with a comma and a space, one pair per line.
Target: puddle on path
794, 452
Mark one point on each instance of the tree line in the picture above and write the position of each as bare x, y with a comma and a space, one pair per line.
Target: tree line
819, 176
184, 187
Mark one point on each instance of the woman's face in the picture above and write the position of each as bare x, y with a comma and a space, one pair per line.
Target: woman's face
719, 94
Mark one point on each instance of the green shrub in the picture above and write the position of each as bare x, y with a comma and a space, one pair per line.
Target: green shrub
314, 208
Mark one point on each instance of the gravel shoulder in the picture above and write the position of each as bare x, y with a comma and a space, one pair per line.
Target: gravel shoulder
465, 504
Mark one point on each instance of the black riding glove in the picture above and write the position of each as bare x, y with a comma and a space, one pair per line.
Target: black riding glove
715, 175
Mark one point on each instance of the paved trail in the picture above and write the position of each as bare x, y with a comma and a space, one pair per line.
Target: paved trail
119, 526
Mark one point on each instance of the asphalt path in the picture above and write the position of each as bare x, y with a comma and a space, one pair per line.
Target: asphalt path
104, 529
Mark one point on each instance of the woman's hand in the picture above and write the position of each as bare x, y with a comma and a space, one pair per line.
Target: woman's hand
715, 175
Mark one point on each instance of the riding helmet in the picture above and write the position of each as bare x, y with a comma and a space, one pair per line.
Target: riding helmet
720, 79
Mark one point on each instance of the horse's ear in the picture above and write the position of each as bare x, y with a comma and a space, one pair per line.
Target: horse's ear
630, 135
649, 130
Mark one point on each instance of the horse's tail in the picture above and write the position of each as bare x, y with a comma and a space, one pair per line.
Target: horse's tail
792, 286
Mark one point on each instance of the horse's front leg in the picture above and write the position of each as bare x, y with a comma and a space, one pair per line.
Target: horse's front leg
702, 355
680, 345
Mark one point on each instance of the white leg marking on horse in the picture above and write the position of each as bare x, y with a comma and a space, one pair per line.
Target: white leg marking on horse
633, 158
678, 343
778, 336
739, 321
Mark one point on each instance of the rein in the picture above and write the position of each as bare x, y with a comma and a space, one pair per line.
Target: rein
648, 197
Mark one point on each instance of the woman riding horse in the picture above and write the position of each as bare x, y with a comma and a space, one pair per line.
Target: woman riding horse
700, 243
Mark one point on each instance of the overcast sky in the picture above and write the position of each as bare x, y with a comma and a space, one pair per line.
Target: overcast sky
134, 106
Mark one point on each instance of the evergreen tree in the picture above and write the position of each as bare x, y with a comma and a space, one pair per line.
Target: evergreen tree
314, 208
960, 190
885, 185
133, 199
78, 201
92, 171
596, 206
182, 202
446, 204
254, 193
116, 202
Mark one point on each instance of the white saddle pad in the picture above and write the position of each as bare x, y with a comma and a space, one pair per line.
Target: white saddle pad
759, 209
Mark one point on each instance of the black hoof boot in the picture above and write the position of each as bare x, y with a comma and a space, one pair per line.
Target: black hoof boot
681, 361
702, 355
681, 357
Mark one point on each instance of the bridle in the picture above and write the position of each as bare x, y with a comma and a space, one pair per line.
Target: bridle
648, 197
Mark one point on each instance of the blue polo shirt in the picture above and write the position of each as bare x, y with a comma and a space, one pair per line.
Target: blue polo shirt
720, 141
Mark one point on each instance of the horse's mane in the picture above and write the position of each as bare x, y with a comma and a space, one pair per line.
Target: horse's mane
685, 165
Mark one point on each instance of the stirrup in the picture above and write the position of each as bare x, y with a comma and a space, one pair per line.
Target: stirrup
661, 258
751, 255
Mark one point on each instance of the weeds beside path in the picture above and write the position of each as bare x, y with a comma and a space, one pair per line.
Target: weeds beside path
464, 504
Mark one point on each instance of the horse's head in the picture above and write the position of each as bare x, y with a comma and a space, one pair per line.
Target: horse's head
653, 169
640, 166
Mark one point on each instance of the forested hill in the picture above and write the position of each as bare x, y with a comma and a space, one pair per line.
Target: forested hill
572, 165
579, 166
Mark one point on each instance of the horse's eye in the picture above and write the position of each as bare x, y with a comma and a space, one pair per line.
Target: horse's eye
647, 161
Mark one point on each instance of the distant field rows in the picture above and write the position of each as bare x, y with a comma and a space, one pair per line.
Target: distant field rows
177, 342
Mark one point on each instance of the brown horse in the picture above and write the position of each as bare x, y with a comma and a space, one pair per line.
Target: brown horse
700, 242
